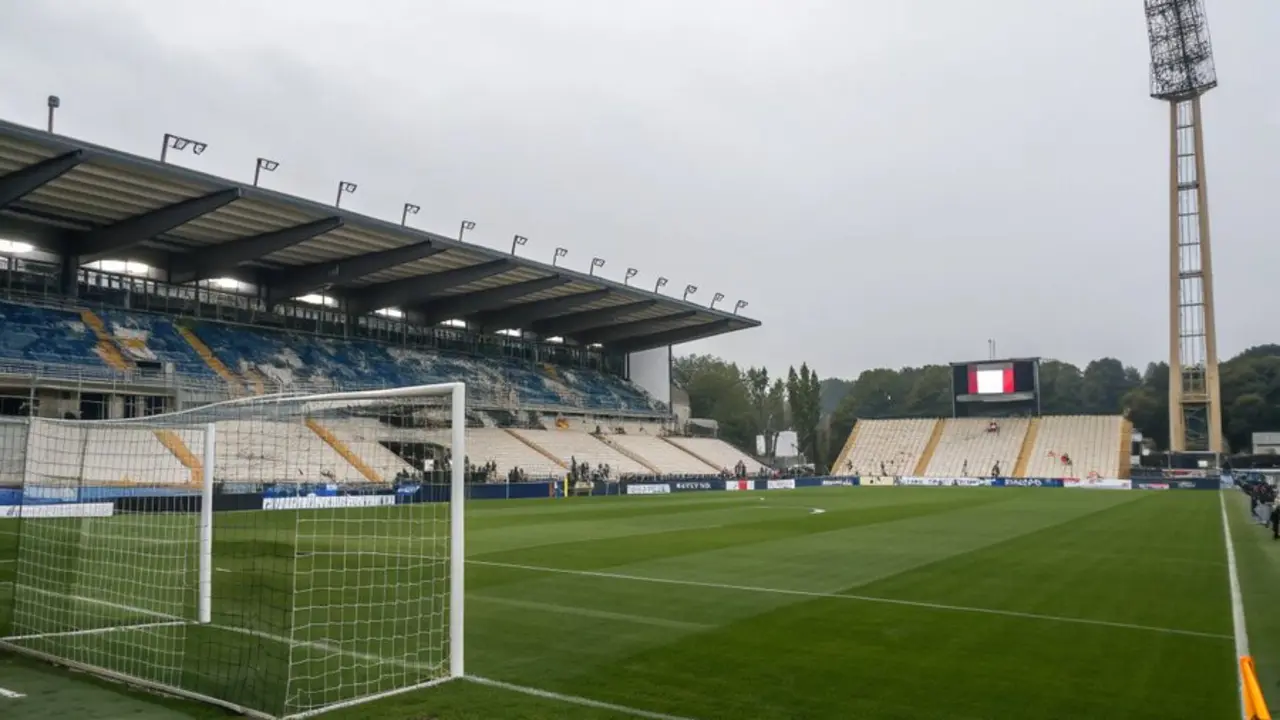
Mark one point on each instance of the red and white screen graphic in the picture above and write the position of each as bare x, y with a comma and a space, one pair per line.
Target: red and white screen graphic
990, 379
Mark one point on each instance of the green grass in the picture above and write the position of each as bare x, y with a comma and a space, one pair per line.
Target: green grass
956, 603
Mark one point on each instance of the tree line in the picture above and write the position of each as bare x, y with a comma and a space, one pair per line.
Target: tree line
747, 402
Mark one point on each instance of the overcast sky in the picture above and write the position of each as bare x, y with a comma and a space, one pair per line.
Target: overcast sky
886, 183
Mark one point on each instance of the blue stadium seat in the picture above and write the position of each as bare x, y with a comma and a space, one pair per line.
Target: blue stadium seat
47, 336
148, 337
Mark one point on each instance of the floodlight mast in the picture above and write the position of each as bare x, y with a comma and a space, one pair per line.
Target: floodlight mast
1182, 70
54, 102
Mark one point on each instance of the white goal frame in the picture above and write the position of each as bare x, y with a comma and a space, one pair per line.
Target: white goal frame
455, 391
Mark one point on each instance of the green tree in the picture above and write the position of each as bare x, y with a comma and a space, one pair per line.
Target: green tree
804, 396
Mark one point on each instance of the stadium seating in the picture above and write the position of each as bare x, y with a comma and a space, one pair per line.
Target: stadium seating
153, 338
47, 336
665, 457
968, 448
60, 455
888, 447
505, 450
1092, 442
717, 453
572, 445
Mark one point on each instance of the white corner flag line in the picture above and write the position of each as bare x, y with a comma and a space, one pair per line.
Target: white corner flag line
1237, 601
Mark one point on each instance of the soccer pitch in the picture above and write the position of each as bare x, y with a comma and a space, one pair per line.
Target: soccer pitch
878, 603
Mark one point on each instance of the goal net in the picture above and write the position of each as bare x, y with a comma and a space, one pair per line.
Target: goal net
278, 555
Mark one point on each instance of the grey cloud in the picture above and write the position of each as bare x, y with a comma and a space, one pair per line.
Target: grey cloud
886, 183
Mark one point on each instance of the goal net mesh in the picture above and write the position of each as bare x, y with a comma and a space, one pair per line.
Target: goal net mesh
277, 555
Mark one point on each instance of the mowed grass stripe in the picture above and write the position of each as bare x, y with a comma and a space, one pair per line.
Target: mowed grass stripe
827, 658
1112, 571
739, 528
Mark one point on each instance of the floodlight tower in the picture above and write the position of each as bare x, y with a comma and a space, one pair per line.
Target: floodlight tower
1181, 72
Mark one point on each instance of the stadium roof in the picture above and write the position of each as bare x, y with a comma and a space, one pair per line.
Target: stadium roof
90, 202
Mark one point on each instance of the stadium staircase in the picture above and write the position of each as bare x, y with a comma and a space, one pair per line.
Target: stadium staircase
838, 468
341, 448
174, 444
211, 360
1126, 439
927, 456
1028, 444
107, 348
537, 448
634, 457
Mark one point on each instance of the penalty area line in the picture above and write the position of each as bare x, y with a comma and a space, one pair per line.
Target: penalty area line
856, 598
573, 699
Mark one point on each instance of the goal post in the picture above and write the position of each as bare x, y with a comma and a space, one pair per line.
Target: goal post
281, 556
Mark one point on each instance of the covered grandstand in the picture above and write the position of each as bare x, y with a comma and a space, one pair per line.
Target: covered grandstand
132, 286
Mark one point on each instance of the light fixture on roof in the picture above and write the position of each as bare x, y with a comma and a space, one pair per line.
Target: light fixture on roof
409, 209
344, 187
560, 252
595, 263
179, 143
689, 290
715, 299
518, 240
465, 226
658, 285
631, 272
54, 104
738, 306
13, 247
264, 164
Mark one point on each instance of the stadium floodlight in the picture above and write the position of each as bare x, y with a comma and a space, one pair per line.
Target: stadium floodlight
595, 263
631, 272
465, 226
263, 164
54, 103
560, 252
344, 187
518, 240
738, 306
135, 579
658, 285
689, 290
180, 143
715, 299
409, 209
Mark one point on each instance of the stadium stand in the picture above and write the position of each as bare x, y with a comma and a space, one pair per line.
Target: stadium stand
888, 447
665, 457
40, 335
153, 338
716, 453
1090, 442
573, 446
971, 447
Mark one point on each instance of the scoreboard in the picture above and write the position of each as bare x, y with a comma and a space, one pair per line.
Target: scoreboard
992, 388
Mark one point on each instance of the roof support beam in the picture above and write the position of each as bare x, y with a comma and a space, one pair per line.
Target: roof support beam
672, 337
524, 314
210, 260
20, 183
579, 322
456, 306
415, 290
140, 228
622, 331
294, 282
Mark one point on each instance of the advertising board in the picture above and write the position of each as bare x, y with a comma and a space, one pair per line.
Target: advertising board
648, 489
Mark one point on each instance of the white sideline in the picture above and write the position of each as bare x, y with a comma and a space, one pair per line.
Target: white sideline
858, 598
574, 699
1237, 602
10, 694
